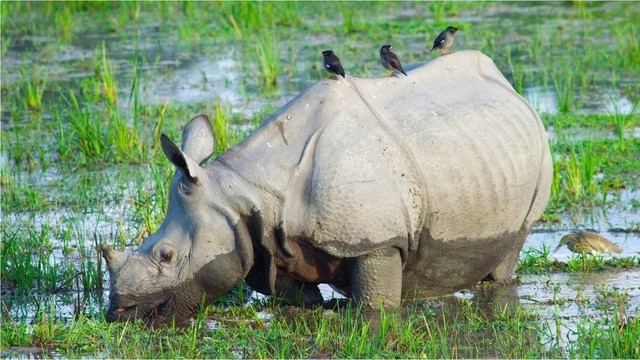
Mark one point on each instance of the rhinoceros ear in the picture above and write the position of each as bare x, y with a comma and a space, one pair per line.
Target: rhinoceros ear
198, 141
181, 160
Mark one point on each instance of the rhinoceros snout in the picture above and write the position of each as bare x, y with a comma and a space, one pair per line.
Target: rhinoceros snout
150, 314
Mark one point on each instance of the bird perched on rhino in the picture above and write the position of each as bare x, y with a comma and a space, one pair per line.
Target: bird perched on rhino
389, 60
331, 63
588, 242
444, 41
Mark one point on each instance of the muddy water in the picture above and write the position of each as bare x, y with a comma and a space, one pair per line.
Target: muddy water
536, 291
563, 299
168, 73
200, 78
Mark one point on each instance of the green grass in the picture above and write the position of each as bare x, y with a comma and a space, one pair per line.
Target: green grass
538, 261
563, 81
82, 163
65, 23
461, 329
107, 74
588, 173
581, 170
34, 90
269, 61
87, 132
28, 263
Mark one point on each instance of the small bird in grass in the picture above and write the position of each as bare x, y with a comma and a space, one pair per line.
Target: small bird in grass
588, 242
389, 60
444, 41
331, 63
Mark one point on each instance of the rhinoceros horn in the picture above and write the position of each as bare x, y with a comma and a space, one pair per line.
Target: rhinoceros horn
114, 258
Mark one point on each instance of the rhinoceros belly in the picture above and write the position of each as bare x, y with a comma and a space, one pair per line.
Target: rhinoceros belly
443, 267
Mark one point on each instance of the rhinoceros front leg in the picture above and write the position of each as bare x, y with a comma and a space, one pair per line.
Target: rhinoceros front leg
297, 292
376, 278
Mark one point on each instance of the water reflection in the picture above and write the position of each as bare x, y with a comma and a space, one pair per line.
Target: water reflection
59, 307
564, 300
200, 81
545, 101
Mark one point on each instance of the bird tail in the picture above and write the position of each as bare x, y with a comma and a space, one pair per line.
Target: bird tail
405, 74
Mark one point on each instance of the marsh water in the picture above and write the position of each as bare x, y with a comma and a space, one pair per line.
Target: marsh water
170, 73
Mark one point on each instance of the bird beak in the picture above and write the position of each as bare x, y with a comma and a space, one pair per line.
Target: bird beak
557, 247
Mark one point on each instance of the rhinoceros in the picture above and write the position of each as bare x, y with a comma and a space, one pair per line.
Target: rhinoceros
383, 188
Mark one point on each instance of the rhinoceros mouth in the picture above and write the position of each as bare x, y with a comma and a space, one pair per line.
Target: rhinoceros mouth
145, 312
124, 309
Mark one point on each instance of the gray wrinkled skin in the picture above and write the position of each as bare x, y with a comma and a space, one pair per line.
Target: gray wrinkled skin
384, 188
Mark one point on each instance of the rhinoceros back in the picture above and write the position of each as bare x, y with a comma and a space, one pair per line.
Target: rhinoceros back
478, 144
360, 164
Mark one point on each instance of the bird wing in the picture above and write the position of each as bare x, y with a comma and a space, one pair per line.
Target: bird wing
393, 61
600, 244
438, 41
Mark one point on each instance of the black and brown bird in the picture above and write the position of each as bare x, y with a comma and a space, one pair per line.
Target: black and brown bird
389, 60
331, 63
590, 243
444, 41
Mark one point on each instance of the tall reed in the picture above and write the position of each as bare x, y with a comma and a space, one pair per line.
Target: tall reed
580, 171
34, 90
563, 81
519, 75
107, 74
87, 131
268, 60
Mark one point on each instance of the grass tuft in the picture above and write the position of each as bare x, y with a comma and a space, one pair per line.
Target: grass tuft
107, 74
268, 61
34, 90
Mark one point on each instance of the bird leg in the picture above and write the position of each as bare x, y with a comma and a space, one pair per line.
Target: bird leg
391, 72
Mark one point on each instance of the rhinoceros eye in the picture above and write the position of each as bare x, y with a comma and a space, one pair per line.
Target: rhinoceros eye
166, 255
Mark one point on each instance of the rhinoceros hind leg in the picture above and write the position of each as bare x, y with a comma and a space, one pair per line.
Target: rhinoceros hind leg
539, 202
376, 278
298, 293
504, 271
